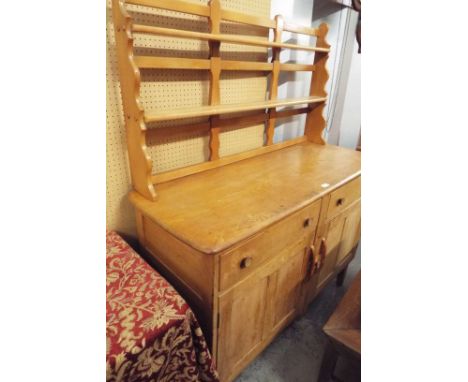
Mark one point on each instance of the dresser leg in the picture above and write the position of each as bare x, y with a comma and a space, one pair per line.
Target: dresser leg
341, 276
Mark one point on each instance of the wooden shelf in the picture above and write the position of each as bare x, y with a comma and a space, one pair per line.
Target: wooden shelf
226, 14
233, 39
151, 62
205, 111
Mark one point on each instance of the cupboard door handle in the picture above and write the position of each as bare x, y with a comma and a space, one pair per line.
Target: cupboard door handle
245, 262
310, 263
313, 261
340, 201
307, 222
322, 251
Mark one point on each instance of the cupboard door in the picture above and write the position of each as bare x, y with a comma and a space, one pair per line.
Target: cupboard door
329, 246
351, 231
285, 288
241, 322
255, 309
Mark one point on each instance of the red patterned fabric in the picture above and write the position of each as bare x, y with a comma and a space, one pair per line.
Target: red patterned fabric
152, 334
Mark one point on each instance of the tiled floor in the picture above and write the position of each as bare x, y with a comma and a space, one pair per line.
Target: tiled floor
296, 354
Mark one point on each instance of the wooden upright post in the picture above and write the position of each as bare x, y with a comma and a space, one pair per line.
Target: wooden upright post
129, 74
275, 59
215, 73
315, 122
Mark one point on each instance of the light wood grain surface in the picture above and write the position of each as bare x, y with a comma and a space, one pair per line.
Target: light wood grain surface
226, 14
234, 202
137, 118
221, 37
185, 171
204, 111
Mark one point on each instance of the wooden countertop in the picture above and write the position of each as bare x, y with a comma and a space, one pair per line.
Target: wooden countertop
212, 210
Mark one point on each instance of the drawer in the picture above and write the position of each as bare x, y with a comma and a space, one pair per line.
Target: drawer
247, 257
343, 197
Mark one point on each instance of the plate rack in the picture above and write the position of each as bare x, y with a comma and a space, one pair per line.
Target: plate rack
137, 118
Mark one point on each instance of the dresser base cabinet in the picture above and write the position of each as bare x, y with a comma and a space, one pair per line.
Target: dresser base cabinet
250, 255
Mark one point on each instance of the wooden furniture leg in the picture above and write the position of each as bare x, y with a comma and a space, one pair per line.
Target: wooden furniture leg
341, 276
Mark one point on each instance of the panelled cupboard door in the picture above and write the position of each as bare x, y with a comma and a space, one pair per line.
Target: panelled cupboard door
285, 288
258, 307
341, 235
351, 231
241, 317
329, 246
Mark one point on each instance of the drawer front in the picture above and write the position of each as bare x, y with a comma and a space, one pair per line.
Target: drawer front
245, 259
343, 197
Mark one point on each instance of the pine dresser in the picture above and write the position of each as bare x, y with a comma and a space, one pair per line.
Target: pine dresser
248, 239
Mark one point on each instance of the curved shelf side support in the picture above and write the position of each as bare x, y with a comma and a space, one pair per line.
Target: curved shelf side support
130, 78
315, 122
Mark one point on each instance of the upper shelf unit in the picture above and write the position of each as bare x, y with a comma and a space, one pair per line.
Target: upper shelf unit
136, 117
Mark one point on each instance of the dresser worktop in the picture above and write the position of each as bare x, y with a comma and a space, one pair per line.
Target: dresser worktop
212, 210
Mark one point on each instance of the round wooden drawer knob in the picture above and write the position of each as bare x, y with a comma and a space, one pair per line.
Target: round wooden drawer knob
340, 202
307, 222
246, 261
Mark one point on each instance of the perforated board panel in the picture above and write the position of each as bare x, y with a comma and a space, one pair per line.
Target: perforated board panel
120, 215
178, 88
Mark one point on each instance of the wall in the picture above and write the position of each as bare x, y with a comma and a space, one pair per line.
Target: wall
338, 18
293, 84
350, 121
342, 111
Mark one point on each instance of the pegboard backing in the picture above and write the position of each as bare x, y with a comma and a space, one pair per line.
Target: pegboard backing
236, 87
178, 88
119, 212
